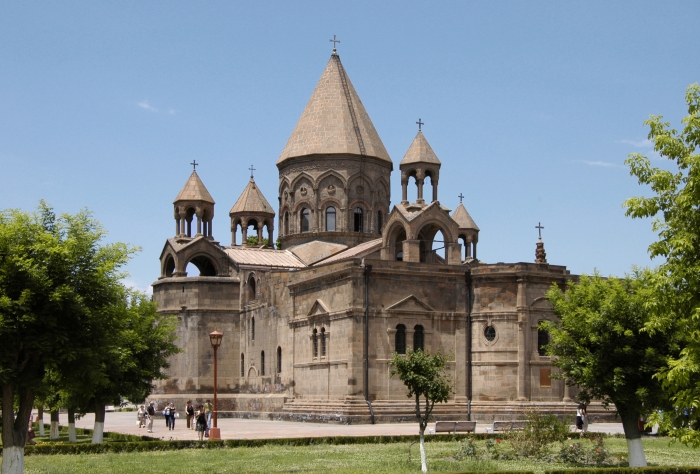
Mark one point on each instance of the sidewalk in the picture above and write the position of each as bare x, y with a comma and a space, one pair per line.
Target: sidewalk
234, 428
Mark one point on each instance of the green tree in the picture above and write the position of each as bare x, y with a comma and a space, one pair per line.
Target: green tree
252, 241
139, 349
55, 279
426, 377
600, 345
675, 306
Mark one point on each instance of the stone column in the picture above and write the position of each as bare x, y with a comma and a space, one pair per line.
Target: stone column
244, 233
404, 189
260, 234
523, 353
419, 183
411, 250
468, 246
435, 190
474, 250
199, 223
233, 235
453, 252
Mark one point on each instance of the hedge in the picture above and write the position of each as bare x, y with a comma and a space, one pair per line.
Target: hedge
161, 445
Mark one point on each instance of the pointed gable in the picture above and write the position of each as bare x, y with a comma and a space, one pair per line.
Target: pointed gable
194, 190
410, 304
252, 201
420, 152
334, 120
318, 308
463, 219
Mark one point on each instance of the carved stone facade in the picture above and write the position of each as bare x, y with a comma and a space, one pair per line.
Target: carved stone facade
294, 319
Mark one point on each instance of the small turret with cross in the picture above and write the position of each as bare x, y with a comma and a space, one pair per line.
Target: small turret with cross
540, 254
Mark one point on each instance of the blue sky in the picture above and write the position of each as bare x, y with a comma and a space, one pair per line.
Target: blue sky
532, 108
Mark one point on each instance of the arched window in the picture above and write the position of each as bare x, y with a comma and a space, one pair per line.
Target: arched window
418, 338
542, 341
286, 223
305, 219
358, 219
323, 342
380, 221
251, 288
330, 219
279, 360
252, 329
314, 338
242, 365
262, 362
169, 266
400, 339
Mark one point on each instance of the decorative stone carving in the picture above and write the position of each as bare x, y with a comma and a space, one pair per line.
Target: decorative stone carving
540, 254
331, 190
360, 190
303, 191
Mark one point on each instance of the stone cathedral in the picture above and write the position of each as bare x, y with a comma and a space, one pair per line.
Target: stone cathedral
310, 324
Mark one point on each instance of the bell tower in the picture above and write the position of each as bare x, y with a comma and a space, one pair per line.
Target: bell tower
420, 162
193, 201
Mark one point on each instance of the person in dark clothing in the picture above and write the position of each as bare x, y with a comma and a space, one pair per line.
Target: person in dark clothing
189, 410
201, 424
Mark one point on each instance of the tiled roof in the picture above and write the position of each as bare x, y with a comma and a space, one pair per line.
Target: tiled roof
358, 251
194, 190
263, 257
463, 219
328, 123
420, 152
312, 252
252, 201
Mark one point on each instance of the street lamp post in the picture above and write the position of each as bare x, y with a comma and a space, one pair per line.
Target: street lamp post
215, 339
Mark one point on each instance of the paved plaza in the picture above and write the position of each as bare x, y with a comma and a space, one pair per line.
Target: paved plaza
234, 428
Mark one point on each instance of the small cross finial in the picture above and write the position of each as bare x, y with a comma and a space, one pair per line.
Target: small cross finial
460, 198
251, 170
194, 164
539, 229
420, 124
334, 41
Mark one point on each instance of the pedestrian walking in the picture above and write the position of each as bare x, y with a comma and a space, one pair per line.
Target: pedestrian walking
173, 414
150, 414
201, 423
580, 413
189, 410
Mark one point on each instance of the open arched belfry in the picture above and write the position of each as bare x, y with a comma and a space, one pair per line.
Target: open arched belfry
310, 323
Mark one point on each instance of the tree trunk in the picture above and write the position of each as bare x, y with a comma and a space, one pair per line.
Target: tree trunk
53, 434
40, 420
14, 430
635, 448
423, 463
71, 426
98, 431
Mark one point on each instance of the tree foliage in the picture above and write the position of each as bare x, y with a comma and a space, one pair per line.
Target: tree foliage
64, 316
600, 345
426, 377
675, 211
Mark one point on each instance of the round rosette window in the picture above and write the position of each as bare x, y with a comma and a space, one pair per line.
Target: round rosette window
490, 333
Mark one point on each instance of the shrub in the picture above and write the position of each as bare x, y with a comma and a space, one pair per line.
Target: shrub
466, 450
541, 429
576, 453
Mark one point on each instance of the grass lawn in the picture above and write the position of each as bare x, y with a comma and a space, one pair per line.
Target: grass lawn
374, 458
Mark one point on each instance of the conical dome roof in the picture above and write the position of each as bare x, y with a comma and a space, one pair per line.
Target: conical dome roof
463, 219
334, 120
420, 152
194, 190
252, 201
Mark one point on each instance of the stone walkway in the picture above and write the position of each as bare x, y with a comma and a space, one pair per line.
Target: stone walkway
234, 428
